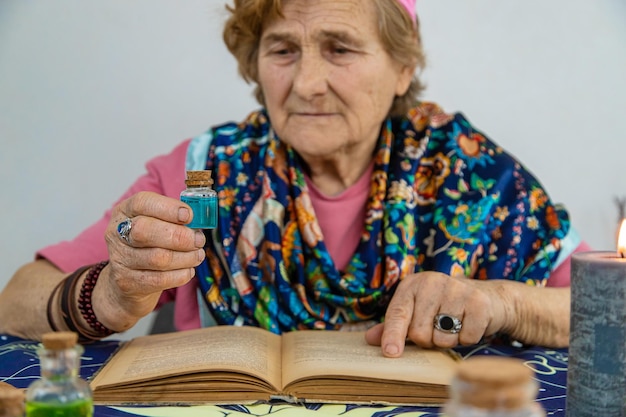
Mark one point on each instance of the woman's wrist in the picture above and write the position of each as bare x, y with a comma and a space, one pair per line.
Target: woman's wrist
71, 300
112, 303
536, 315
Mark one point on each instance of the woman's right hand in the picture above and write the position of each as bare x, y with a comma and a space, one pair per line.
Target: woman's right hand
160, 253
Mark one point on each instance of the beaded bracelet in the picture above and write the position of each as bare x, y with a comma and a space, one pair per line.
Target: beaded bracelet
67, 300
84, 300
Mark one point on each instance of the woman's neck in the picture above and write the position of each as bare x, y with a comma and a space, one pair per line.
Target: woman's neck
334, 174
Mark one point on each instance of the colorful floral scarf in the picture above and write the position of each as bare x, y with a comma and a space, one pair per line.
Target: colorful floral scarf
443, 197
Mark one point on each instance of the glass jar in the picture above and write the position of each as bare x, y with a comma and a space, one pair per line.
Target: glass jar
60, 392
201, 198
489, 386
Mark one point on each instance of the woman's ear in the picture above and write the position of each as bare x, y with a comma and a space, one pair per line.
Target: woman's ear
404, 79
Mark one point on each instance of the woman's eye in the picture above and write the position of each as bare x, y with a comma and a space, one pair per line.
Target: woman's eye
339, 48
278, 49
283, 49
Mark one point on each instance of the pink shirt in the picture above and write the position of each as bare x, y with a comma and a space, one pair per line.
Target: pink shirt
341, 218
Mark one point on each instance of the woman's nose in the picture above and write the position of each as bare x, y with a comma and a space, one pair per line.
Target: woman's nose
311, 76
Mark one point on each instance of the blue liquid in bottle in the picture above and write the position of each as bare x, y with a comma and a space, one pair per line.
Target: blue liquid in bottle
201, 198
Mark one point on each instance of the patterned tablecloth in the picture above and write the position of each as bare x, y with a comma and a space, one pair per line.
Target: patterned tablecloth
19, 366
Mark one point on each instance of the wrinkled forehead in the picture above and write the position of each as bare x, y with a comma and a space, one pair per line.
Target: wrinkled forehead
349, 16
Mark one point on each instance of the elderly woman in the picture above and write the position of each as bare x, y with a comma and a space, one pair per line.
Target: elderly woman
344, 202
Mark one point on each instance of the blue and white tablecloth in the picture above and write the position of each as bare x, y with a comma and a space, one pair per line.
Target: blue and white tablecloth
19, 366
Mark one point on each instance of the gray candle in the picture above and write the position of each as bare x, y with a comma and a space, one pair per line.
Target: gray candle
596, 377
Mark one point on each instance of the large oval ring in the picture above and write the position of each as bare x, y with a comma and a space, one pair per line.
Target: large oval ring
447, 323
123, 229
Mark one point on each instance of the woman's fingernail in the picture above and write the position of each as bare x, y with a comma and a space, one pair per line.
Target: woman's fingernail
201, 255
199, 239
391, 350
183, 215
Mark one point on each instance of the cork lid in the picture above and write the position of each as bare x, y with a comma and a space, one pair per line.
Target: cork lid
59, 340
199, 178
495, 382
11, 400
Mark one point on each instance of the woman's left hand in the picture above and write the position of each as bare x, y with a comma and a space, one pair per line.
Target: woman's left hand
419, 298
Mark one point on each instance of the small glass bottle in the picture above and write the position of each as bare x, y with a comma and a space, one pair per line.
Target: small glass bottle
60, 392
493, 386
11, 401
201, 198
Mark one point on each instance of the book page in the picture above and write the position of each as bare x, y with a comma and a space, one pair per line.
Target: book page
248, 350
308, 353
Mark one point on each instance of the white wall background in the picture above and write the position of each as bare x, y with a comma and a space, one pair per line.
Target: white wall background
90, 90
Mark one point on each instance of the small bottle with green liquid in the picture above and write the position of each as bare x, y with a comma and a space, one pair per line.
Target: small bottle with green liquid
201, 198
60, 392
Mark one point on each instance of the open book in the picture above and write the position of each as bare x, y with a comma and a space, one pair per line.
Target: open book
230, 364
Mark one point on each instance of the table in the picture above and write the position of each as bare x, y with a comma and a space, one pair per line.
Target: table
19, 366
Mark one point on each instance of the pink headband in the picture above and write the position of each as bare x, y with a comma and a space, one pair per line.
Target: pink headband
409, 5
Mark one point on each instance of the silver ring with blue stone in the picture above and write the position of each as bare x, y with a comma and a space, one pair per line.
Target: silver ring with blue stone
447, 323
123, 229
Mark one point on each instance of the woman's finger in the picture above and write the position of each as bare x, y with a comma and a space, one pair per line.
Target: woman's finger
159, 259
150, 232
134, 284
154, 205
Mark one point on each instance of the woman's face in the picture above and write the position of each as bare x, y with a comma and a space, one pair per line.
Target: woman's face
327, 81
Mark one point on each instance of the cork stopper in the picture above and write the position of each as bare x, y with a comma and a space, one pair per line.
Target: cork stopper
199, 179
11, 401
495, 382
59, 340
